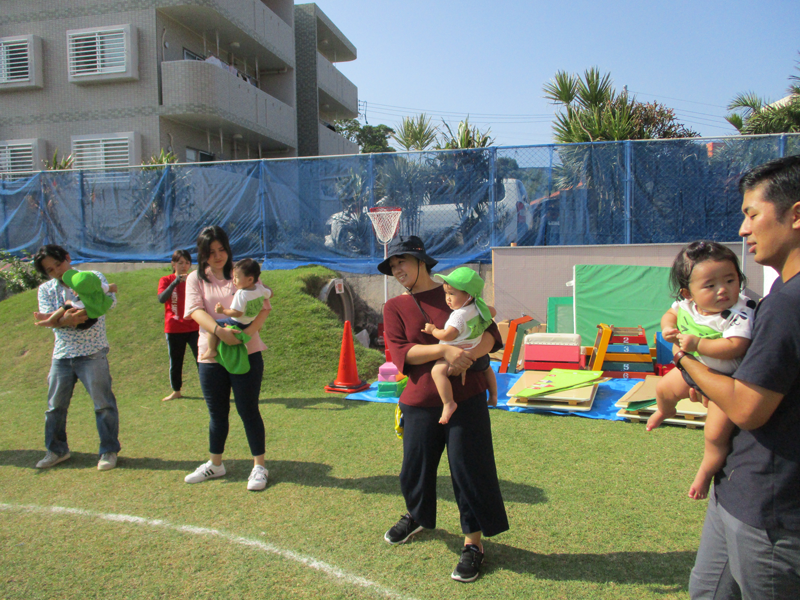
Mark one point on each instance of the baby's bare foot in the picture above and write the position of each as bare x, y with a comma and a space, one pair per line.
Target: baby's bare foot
447, 412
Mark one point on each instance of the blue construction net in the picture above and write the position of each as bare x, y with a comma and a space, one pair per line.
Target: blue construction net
293, 212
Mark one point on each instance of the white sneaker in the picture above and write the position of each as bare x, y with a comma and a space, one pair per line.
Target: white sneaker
108, 460
258, 479
205, 471
51, 459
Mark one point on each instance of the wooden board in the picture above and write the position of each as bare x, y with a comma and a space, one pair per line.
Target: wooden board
576, 397
518, 345
600, 347
646, 390
630, 357
512, 334
686, 409
552, 403
693, 424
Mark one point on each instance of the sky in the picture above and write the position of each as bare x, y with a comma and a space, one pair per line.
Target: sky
489, 60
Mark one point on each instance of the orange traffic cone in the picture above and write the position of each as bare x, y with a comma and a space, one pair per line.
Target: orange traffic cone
347, 381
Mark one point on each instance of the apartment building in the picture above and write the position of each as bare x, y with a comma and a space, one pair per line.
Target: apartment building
115, 82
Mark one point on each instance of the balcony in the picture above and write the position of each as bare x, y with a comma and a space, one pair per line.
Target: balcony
332, 144
204, 95
338, 96
256, 30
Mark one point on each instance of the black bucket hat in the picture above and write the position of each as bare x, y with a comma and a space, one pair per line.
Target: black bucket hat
409, 244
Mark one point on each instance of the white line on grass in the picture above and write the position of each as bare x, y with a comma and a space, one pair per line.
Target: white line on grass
308, 561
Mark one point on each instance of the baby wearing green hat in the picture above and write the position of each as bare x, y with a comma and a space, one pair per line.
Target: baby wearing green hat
464, 328
92, 299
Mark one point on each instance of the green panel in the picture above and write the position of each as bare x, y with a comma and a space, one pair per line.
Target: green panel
620, 295
560, 315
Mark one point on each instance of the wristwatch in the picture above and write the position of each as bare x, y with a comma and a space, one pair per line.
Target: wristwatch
676, 360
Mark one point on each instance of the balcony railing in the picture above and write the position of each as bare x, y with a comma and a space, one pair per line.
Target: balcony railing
206, 95
339, 89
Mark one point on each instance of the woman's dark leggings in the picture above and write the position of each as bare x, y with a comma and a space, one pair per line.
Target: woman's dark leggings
177, 342
468, 439
217, 384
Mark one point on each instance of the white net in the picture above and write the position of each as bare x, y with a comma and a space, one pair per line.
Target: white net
386, 221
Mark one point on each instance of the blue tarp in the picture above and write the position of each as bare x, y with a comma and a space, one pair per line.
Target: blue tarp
292, 212
608, 392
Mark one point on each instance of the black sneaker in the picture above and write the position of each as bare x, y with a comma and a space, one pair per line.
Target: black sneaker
402, 530
469, 567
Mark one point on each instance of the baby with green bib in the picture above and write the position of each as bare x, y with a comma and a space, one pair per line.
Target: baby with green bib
92, 297
711, 321
247, 303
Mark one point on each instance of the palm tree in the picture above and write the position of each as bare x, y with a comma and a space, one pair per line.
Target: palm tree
464, 137
594, 112
416, 133
752, 115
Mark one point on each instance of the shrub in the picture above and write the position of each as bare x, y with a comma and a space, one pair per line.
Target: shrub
18, 274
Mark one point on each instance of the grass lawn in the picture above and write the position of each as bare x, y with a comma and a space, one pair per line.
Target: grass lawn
598, 509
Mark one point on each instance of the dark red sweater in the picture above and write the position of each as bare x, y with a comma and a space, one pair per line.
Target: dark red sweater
403, 324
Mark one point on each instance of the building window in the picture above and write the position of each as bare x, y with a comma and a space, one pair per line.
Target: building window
189, 55
20, 62
96, 55
18, 156
193, 155
105, 152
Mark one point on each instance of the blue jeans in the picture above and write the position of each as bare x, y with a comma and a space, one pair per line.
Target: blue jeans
93, 373
217, 384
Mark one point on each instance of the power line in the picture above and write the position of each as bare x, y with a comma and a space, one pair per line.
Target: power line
677, 99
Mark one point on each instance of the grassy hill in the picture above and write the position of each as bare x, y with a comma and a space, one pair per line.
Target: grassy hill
302, 334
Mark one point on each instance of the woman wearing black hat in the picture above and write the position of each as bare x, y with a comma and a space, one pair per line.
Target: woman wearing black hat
467, 437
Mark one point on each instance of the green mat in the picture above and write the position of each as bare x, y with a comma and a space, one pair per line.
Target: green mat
619, 295
560, 315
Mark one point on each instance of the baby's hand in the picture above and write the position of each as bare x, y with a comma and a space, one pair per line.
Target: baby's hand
670, 334
218, 308
688, 343
429, 328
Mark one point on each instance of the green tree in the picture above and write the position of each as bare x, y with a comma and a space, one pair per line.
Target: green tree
464, 137
348, 128
374, 138
593, 111
416, 133
370, 138
752, 115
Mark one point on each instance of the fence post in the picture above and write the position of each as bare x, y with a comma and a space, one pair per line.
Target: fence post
42, 207
262, 204
782, 145
371, 197
169, 195
83, 211
7, 243
628, 190
493, 194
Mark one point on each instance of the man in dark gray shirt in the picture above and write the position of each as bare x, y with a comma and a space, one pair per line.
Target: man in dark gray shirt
750, 546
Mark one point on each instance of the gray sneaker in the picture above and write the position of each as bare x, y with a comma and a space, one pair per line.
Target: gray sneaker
108, 460
51, 459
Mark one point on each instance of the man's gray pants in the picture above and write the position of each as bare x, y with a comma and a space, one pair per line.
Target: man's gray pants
736, 560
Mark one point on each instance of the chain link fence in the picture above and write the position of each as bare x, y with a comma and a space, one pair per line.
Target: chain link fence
290, 212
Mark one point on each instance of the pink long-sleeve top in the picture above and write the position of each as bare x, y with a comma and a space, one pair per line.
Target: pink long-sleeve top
201, 295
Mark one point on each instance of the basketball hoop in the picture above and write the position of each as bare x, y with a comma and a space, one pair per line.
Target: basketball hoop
385, 222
